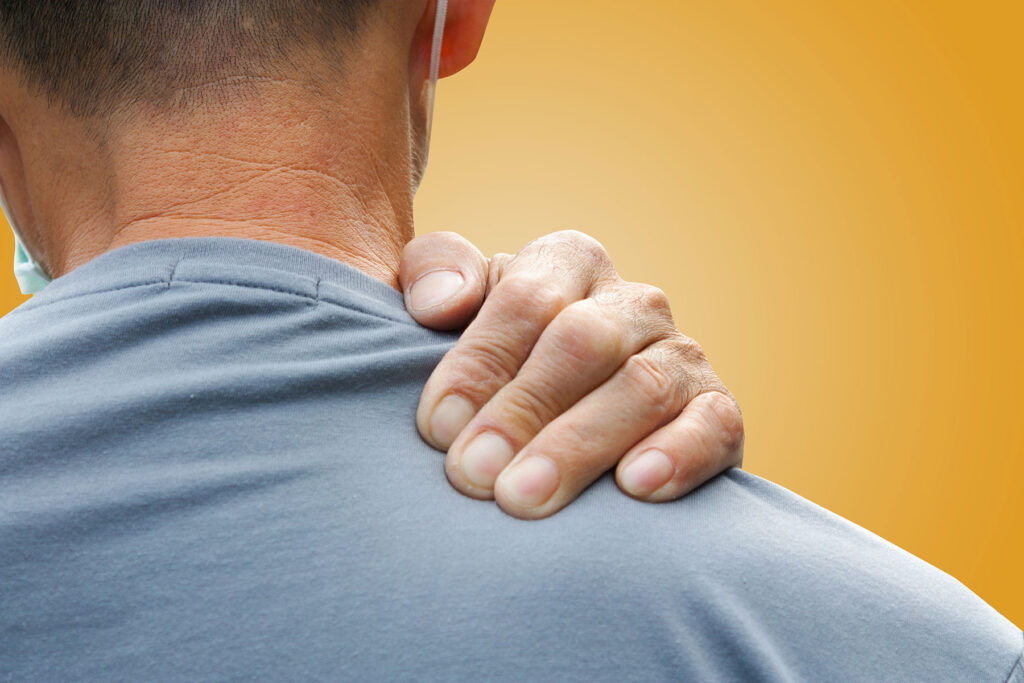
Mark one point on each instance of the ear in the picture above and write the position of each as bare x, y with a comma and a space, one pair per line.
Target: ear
14, 185
464, 26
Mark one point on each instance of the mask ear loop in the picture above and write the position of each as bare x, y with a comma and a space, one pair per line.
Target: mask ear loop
435, 68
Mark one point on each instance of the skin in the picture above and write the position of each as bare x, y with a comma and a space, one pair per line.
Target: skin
565, 370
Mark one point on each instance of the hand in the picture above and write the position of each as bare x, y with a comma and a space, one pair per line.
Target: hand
565, 371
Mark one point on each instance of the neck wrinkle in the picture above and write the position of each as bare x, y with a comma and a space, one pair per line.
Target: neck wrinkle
271, 166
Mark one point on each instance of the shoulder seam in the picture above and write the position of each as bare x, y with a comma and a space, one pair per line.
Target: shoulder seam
316, 299
166, 282
145, 283
246, 285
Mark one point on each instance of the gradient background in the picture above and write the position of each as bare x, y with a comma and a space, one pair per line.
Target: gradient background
831, 195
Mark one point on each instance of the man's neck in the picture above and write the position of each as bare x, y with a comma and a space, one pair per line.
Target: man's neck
271, 166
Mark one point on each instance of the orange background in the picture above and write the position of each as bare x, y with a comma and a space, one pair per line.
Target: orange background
831, 195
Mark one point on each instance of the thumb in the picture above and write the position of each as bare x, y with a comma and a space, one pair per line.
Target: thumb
444, 278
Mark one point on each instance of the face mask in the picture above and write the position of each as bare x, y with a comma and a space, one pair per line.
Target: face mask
32, 278
30, 275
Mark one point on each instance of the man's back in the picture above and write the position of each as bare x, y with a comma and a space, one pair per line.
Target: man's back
209, 469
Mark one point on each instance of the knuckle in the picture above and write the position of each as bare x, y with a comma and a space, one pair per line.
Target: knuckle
481, 364
650, 298
648, 310
583, 335
648, 379
686, 351
527, 407
682, 361
576, 247
583, 243
529, 296
730, 419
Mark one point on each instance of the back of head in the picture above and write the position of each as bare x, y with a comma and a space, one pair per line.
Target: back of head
93, 57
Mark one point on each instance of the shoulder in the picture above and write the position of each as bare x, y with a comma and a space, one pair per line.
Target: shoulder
751, 570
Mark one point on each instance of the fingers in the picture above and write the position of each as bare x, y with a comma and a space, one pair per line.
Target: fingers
570, 453
566, 372
584, 345
487, 356
444, 278
704, 440
526, 294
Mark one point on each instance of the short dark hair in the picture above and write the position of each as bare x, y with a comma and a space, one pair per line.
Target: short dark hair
92, 56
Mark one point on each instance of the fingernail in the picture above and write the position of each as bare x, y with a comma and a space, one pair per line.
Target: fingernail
648, 473
434, 288
484, 459
450, 416
531, 482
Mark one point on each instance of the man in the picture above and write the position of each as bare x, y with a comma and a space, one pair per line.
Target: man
589, 316
209, 471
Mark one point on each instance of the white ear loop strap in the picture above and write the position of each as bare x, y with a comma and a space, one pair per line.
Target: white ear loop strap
435, 62
435, 48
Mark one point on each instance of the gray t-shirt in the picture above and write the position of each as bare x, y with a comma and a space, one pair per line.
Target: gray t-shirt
209, 470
